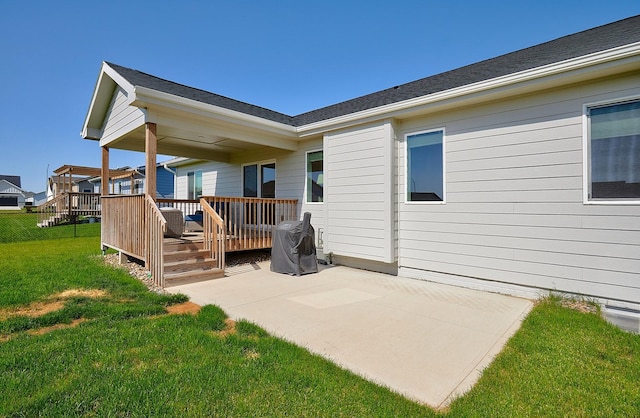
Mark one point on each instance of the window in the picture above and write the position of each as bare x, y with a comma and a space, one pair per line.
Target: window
268, 180
425, 166
263, 175
138, 186
250, 180
315, 176
613, 149
194, 184
259, 180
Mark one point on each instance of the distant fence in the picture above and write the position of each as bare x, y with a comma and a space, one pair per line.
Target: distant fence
21, 226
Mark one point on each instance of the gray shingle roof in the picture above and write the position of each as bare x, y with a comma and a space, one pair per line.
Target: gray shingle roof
138, 78
15, 180
590, 41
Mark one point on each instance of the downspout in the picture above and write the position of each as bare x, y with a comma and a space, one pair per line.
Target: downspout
175, 180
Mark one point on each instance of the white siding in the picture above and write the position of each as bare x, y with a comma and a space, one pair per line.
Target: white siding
218, 179
514, 210
359, 193
121, 118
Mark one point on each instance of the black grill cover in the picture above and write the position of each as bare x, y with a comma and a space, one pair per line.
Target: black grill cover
293, 249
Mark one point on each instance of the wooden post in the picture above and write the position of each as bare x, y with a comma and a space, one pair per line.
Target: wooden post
151, 150
104, 185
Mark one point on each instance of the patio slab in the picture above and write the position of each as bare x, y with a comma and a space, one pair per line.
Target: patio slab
425, 340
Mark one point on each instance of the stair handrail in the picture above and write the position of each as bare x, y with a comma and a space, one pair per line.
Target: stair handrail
214, 231
52, 207
155, 228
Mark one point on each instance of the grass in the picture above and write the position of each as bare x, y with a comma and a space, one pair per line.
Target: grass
128, 359
20, 226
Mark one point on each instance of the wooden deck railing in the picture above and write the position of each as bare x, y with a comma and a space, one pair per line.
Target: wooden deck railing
249, 222
215, 239
69, 205
156, 227
188, 207
133, 225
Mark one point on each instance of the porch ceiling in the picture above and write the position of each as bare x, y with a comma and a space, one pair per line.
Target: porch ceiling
182, 143
183, 134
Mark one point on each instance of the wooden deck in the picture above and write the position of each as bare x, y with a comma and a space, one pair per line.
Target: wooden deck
135, 225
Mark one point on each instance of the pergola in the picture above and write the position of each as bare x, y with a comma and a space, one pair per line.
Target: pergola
66, 173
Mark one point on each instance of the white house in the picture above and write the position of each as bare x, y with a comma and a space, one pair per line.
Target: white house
12, 197
517, 174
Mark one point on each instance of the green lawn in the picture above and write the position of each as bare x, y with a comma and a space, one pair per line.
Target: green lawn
128, 359
20, 226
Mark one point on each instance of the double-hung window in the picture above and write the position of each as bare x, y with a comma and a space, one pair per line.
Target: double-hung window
194, 184
315, 176
613, 152
425, 166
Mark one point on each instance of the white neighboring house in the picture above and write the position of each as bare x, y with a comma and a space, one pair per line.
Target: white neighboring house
518, 174
12, 197
38, 199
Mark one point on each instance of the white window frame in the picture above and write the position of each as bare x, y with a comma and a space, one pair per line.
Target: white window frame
306, 177
586, 154
258, 164
444, 168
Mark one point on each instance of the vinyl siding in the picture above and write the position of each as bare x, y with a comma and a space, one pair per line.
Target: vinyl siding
121, 118
218, 179
514, 210
360, 199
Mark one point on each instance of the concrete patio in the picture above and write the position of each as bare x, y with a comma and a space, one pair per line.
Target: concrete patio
427, 341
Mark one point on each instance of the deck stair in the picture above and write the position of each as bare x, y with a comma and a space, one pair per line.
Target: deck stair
53, 220
186, 261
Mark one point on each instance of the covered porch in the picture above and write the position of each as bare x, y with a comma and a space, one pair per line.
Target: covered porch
138, 112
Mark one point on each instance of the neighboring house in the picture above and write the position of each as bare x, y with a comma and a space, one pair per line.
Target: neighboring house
518, 174
123, 185
12, 197
38, 199
165, 180
60, 184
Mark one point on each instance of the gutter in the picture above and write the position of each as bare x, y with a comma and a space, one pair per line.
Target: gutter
175, 179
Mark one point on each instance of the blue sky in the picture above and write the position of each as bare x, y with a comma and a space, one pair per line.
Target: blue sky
289, 56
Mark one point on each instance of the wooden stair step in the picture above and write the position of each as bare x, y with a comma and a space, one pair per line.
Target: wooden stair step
175, 246
175, 279
185, 255
189, 265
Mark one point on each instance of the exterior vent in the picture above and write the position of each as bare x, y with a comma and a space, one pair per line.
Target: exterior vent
627, 319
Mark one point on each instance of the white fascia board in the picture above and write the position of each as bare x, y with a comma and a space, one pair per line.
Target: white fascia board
101, 99
115, 76
598, 58
180, 161
145, 96
174, 162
